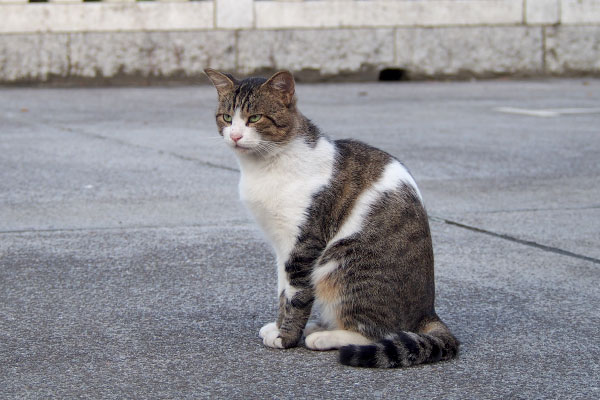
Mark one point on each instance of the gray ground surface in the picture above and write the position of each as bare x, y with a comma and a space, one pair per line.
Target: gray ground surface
128, 268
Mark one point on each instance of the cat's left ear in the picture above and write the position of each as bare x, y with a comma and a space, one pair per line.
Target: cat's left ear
283, 84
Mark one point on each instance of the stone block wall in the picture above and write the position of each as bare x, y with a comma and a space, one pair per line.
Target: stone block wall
141, 42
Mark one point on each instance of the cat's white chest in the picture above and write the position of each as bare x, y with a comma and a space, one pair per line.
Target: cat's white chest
279, 193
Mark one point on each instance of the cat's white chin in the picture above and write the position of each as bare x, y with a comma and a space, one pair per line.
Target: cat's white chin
241, 149
247, 151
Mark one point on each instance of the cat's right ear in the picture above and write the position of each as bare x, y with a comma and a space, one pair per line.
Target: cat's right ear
223, 83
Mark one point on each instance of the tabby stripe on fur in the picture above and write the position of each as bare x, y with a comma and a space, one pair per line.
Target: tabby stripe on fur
402, 350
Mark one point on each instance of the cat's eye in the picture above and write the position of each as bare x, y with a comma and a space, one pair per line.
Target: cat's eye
226, 117
254, 118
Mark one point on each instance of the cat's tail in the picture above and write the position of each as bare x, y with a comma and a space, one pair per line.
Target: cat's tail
433, 343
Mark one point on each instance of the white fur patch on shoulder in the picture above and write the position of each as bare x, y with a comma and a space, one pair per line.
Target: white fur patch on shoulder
394, 175
396, 172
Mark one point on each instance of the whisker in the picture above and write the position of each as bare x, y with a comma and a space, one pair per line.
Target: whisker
270, 145
262, 148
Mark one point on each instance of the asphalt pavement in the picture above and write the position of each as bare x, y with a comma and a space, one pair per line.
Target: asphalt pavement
129, 269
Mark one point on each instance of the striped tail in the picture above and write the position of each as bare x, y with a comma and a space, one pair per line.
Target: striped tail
404, 349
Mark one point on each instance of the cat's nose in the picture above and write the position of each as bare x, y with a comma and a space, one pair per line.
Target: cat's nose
236, 136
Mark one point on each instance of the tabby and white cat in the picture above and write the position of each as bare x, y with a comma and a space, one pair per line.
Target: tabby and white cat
348, 226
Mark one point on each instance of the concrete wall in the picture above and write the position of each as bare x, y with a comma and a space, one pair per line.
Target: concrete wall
142, 41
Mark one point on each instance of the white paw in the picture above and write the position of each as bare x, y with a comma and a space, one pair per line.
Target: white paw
270, 336
321, 340
271, 326
273, 340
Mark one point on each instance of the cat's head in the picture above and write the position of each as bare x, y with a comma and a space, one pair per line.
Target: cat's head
255, 115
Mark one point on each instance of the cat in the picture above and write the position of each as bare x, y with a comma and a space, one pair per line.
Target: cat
348, 226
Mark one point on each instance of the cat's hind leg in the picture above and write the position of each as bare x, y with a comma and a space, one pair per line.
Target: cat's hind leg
330, 340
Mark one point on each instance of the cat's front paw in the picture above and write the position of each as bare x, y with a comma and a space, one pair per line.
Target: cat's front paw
270, 336
271, 326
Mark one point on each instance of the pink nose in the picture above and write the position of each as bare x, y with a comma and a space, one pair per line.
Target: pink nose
235, 137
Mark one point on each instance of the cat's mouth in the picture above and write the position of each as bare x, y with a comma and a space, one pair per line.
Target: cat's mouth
241, 148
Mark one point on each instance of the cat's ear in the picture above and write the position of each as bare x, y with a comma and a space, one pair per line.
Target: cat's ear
223, 83
283, 84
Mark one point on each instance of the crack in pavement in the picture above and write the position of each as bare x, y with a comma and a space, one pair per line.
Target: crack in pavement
82, 132
514, 239
139, 146
516, 210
